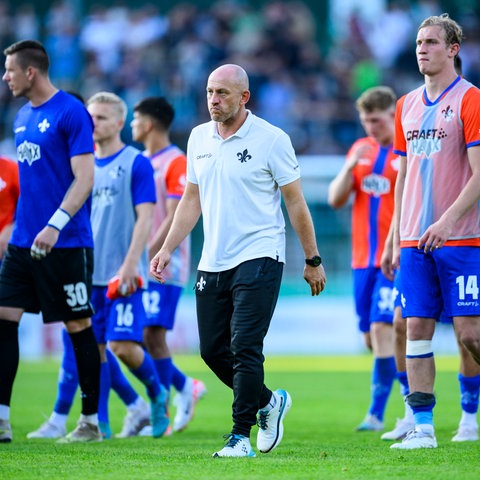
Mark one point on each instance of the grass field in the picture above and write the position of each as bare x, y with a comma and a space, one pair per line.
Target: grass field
330, 396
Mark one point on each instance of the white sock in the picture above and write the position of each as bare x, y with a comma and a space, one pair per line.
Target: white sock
136, 404
469, 419
93, 419
4, 412
58, 419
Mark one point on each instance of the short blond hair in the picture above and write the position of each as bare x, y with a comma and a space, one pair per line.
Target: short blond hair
111, 99
376, 98
453, 31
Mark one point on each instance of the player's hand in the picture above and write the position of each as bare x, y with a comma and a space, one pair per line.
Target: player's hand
396, 257
356, 155
158, 264
128, 279
44, 242
386, 262
435, 236
316, 278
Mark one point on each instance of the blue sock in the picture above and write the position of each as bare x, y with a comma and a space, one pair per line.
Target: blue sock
164, 367
178, 378
402, 378
422, 411
469, 389
383, 375
104, 393
67, 377
423, 418
147, 374
423, 415
119, 381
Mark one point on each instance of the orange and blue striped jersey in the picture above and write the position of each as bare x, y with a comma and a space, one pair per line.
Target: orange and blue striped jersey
374, 179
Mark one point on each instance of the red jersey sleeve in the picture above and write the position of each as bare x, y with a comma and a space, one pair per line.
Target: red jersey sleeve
470, 115
175, 177
399, 141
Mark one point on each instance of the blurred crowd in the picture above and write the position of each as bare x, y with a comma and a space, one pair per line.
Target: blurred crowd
305, 88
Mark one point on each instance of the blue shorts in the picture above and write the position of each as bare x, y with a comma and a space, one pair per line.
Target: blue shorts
373, 297
446, 279
160, 302
398, 302
120, 319
397, 290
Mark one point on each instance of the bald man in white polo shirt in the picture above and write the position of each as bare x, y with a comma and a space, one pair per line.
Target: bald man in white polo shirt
238, 167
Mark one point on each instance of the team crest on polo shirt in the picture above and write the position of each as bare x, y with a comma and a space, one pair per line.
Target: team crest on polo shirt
243, 156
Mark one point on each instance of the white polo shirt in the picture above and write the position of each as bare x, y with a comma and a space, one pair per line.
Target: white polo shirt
239, 179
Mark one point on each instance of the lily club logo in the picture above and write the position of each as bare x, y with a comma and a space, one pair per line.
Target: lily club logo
43, 125
448, 114
201, 284
243, 156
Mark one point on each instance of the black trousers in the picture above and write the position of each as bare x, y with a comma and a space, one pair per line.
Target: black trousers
234, 309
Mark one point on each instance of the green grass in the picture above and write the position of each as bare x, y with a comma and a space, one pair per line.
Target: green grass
330, 396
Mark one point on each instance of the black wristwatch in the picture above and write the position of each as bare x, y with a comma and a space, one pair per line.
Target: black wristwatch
315, 261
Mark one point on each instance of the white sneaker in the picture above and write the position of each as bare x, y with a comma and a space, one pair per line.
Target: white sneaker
84, 432
417, 439
135, 420
270, 422
402, 427
48, 430
148, 432
236, 446
466, 433
370, 424
186, 401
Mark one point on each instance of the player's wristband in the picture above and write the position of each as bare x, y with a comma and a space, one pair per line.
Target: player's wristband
59, 219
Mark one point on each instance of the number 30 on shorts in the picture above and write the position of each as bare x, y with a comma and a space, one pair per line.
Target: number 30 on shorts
77, 294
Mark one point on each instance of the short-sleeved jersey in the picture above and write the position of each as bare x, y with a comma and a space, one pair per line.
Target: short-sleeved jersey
170, 167
47, 137
9, 191
122, 181
434, 137
238, 180
374, 179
